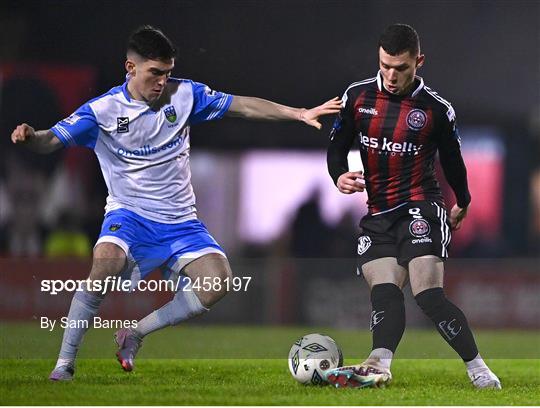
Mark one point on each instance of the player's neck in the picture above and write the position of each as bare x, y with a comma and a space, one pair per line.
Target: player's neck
405, 92
408, 89
133, 94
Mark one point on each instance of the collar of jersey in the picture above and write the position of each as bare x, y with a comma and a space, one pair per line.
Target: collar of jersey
129, 98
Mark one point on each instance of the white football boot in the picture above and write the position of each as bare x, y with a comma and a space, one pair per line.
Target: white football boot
483, 377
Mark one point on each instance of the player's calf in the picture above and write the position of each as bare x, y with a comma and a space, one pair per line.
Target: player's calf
450, 322
183, 306
109, 260
387, 317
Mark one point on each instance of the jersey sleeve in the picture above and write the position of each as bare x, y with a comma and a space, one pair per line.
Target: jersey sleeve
449, 146
341, 140
208, 104
79, 129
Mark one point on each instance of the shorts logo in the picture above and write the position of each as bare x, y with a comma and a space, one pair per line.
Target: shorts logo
364, 242
416, 119
419, 227
115, 227
170, 114
122, 125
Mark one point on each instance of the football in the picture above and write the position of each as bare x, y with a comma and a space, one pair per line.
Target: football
311, 355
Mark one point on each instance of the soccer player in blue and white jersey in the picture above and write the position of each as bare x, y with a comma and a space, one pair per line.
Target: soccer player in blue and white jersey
140, 134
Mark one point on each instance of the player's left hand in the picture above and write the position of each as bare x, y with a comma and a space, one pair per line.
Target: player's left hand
457, 215
311, 116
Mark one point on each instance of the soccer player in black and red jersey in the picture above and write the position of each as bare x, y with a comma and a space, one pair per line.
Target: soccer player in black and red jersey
400, 125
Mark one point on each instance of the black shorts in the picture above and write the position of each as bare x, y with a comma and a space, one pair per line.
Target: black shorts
414, 229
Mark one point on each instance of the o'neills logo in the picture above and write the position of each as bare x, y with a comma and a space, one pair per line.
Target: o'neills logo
370, 111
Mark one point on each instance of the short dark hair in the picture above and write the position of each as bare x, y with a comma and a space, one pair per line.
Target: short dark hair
399, 38
150, 43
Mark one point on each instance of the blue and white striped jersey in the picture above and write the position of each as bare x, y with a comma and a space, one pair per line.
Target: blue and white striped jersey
143, 151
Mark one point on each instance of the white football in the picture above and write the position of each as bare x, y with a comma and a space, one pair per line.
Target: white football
311, 355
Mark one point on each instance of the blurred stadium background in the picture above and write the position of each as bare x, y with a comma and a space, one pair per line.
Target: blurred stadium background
262, 188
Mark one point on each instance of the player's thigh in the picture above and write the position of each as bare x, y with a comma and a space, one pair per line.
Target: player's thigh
209, 275
426, 272
140, 239
109, 260
384, 270
377, 252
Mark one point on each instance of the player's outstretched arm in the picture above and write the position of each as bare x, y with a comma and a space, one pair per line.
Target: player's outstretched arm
40, 141
248, 107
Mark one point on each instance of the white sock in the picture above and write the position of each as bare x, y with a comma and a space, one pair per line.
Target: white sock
183, 306
84, 306
64, 361
383, 355
476, 363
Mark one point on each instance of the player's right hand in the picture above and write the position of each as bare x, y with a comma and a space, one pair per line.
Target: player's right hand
351, 182
22, 133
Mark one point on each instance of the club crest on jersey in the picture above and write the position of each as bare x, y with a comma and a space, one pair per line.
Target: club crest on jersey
170, 114
364, 242
122, 125
115, 227
416, 119
419, 227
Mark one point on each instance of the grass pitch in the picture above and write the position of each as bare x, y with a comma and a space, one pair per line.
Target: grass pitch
201, 365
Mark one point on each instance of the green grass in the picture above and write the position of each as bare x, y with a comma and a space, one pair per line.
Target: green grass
253, 369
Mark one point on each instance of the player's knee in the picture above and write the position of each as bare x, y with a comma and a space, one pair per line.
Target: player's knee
386, 292
109, 260
216, 292
225, 272
108, 250
221, 275
431, 300
383, 271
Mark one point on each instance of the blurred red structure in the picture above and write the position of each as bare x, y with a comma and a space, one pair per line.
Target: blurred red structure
495, 293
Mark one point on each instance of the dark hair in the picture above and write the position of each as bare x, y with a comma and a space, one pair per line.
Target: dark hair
151, 43
399, 38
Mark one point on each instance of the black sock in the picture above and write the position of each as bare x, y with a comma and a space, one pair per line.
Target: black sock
450, 322
387, 316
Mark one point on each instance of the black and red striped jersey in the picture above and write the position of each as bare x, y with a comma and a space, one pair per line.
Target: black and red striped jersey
399, 136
